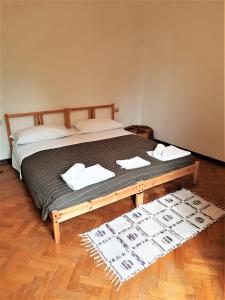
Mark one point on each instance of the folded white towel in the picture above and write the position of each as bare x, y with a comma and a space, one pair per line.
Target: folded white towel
87, 176
73, 172
133, 163
169, 153
159, 149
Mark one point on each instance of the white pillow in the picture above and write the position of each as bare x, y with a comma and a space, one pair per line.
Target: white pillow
96, 125
40, 133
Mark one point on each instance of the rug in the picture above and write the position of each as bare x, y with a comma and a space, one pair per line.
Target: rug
135, 240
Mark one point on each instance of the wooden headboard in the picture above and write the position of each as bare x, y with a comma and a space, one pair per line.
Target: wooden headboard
38, 116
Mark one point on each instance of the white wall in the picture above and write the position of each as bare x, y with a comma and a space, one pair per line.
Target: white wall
160, 62
183, 89
59, 54
1, 110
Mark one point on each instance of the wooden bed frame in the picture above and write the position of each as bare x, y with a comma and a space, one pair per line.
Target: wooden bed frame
137, 189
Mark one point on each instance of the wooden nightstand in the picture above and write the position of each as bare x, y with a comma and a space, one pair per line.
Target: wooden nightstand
143, 131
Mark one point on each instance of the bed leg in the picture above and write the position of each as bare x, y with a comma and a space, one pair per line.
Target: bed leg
55, 223
139, 199
195, 175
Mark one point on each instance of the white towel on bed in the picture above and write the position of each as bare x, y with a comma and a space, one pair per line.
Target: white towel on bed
169, 153
78, 177
159, 149
133, 163
73, 172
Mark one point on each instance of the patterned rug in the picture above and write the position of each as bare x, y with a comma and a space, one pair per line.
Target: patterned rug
133, 241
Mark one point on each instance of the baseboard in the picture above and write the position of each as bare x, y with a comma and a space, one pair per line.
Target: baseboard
5, 161
202, 156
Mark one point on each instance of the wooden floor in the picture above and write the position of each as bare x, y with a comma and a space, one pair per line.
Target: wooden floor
34, 267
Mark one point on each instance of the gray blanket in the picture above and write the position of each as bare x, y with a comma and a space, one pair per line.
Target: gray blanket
41, 171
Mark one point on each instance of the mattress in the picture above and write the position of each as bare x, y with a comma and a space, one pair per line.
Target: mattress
41, 170
19, 152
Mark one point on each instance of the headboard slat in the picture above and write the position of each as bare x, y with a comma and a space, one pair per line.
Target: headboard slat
35, 120
40, 119
89, 113
93, 113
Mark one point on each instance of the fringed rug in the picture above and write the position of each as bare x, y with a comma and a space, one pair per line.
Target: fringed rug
133, 241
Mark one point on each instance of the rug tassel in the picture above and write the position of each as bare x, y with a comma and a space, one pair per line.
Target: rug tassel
96, 257
93, 250
94, 253
107, 274
112, 278
88, 246
106, 267
111, 275
119, 286
81, 234
90, 249
87, 250
99, 264
116, 278
85, 240
85, 243
118, 281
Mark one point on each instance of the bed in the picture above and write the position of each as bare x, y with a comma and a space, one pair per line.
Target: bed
41, 164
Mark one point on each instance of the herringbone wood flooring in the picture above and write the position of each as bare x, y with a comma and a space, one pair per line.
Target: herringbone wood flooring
34, 267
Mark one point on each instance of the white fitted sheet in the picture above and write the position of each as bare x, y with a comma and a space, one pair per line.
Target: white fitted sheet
20, 152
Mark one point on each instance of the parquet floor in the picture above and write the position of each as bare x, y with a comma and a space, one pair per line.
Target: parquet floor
33, 267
